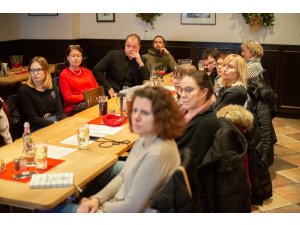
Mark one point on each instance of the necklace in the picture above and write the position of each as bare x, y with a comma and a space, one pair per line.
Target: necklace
77, 74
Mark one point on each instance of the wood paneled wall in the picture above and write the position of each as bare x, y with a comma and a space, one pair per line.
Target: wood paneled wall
280, 61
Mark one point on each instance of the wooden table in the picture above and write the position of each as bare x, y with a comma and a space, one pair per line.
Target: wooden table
85, 164
124, 134
14, 78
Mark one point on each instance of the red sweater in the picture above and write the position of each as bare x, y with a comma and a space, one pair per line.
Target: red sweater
72, 86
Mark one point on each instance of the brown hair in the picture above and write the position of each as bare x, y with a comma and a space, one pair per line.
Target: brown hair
167, 115
202, 80
183, 69
69, 49
46, 69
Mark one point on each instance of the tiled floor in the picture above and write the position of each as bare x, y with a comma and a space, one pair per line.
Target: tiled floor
285, 171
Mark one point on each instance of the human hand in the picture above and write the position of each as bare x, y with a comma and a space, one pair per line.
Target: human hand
88, 205
163, 50
137, 57
112, 93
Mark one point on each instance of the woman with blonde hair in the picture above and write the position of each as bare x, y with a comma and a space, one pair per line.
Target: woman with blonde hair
38, 101
234, 82
252, 52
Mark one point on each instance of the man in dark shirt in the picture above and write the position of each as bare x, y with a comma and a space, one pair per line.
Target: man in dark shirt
121, 68
210, 57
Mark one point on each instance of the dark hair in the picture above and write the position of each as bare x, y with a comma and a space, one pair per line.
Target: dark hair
70, 48
202, 80
183, 69
167, 115
134, 35
159, 37
213, 52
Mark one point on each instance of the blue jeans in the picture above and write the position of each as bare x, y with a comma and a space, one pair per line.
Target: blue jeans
92, 188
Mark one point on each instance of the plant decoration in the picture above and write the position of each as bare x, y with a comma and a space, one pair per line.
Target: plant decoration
257, 20
148, 17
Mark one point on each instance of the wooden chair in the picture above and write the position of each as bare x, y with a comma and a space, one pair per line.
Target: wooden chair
90, 96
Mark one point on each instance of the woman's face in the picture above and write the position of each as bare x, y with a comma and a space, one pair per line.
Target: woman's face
246, 53
176, 81
37, 73
230, 73
220, 66
142, 118
74, 58
191, 96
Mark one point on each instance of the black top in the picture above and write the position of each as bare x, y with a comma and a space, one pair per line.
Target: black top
236, 95
116, 70
34, 105
199, 134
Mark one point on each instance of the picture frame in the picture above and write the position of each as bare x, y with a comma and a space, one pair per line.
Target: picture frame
105, 17
198, 18
42, 14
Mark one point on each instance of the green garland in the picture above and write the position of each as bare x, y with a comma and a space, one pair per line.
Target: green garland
265, 19
148, 17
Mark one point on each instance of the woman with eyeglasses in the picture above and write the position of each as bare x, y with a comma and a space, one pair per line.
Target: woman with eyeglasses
195, 95
252, 51
154, 116
38, 101
234, 82
74, 80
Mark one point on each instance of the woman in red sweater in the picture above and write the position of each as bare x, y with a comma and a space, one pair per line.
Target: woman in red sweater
74, 80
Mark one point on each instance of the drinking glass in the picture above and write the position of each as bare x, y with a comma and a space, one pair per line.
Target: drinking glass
184, 62
201, 65
41, 152
16, 62
102, 100
2, 166
83, 137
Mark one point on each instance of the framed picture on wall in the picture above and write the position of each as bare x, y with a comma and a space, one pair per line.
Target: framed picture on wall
198, 18
43, 14
105, 17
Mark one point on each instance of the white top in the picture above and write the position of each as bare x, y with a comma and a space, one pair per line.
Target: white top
145, 172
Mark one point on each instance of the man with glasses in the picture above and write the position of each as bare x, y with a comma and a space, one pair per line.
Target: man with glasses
158, 57
210, 57
120, 68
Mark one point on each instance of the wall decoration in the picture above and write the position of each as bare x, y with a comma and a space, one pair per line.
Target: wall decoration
105, 17
42, 14
148, 17
198, 18
258, 20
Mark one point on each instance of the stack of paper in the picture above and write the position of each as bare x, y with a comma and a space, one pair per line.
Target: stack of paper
51, 180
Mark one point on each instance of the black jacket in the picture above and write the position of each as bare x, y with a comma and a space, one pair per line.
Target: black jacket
110, 71
222, 173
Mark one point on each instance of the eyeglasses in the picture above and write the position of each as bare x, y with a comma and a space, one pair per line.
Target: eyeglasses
209, 63
187, 90
38, 70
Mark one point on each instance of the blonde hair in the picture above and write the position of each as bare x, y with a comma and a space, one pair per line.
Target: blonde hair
255, 48
241, 67
46, 69
238, 115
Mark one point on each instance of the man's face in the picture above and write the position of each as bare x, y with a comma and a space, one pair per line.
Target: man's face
158, 43
131, 46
